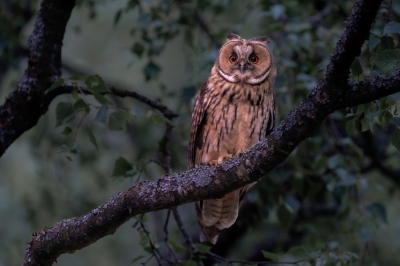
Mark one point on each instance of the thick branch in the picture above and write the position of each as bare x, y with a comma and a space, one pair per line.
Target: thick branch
26, 104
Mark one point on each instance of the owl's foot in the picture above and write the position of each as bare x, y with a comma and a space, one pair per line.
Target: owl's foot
220, 159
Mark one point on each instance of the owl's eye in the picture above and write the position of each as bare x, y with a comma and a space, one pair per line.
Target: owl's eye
253, 59
233, 59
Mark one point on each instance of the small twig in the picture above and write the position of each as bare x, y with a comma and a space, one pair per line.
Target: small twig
189, 241
171, 252
64, 89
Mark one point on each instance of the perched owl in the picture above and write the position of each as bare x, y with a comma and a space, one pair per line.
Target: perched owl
234, 109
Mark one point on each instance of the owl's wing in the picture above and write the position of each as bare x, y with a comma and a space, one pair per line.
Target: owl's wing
199, 110
271, 121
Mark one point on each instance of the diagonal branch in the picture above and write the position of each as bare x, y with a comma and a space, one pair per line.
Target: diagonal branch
26, 104
213, 182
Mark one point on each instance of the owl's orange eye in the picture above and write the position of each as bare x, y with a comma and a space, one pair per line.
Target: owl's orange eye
233, 59
253, 59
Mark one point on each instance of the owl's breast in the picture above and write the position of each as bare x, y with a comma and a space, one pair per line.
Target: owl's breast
234, 122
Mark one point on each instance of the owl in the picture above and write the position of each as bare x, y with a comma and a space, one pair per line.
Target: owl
233, 110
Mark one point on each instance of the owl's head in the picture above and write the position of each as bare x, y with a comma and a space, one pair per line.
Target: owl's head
241, 60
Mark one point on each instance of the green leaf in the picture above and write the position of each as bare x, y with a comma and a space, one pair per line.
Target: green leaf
96, 84
356, 68
373, 41
387, 60
142, 166
81, 106
117, 120
148, 249
392, 27
68, 158
349, 126
384, 104
297, 251
75, 78
202, 248
102, 114
395, 139
395, 121
156, 119
379, 210
92, 140
385, 118
65, 112
137, 49
395, 97
136, 259
66, 131
74, 94
101, 99
56, 84
364, 124
285, 215
121, 166
270, 256
117, 17
176, 247
168, 121
151, 71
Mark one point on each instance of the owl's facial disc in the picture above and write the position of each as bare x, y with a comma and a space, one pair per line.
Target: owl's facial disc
244, 61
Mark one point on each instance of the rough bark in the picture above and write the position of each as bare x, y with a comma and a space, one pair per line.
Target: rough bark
212, 182
26, 104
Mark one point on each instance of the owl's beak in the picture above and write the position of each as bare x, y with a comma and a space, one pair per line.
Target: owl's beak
243, 66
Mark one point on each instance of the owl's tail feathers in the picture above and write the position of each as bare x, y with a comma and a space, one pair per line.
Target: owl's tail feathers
216, 214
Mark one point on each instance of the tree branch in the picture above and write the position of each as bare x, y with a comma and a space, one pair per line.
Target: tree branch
26, 104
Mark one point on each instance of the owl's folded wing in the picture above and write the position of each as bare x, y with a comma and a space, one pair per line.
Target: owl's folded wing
202, 102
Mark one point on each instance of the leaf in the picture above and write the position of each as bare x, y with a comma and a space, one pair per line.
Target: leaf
76, 78
349, 126
148, 249
395, 139
92, 140
156, 119
117, 17
74, 94
68, 158
65, 112
392, 27
66, 131
137, 49
102, 114
384, 104
395, 97
356, 68
176, 247
81, 106
395, 121
379, 210
117, 120
56, 84
96, 84
142, 166
136, 259
151, 71
364, 124
101, 99
297, 251
385, 118
202, 248
387, 60
168, 121
373, 41
121, 166
270, 256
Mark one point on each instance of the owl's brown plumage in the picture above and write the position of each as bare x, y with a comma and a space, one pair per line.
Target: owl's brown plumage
234, 109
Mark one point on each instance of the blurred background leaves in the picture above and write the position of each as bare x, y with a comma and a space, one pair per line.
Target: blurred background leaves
338, 192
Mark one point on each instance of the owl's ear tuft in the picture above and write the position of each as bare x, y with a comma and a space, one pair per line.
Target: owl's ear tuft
262, 39
232, 37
